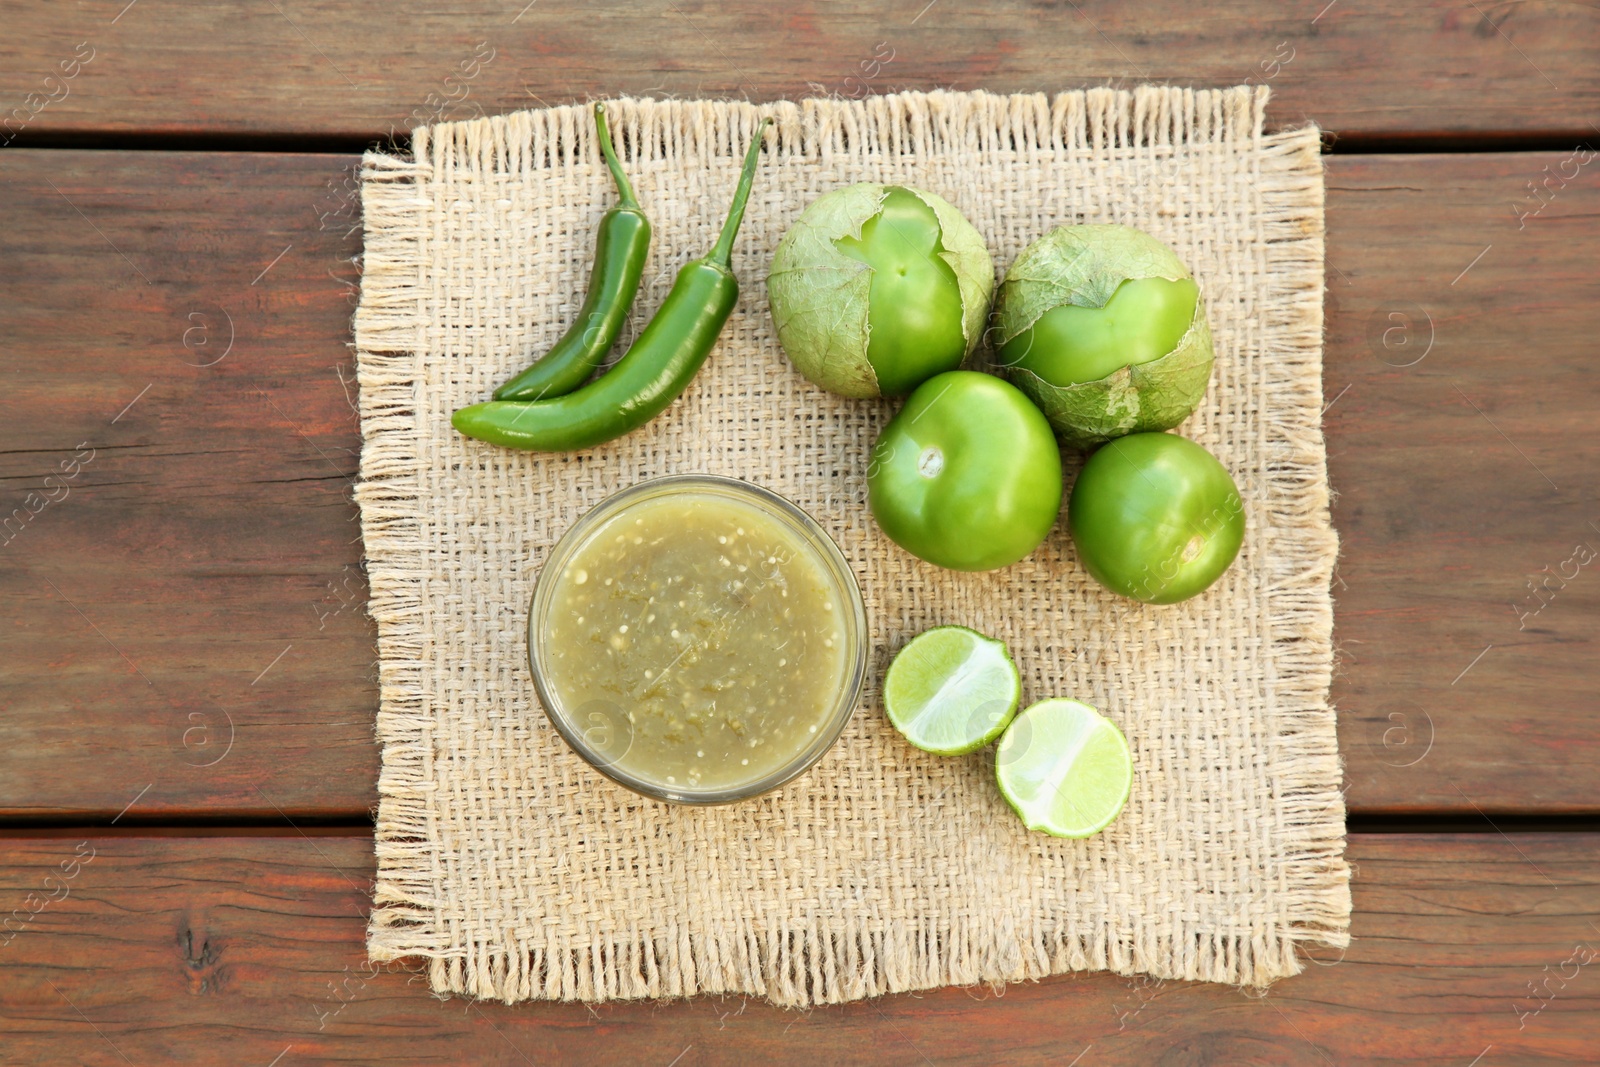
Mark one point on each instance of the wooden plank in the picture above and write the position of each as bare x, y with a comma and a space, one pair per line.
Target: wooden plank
1463, 469
1391, 69
187, 615
203, 567
210, 950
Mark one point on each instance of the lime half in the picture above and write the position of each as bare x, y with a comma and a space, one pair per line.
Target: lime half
1065, 768
951, 690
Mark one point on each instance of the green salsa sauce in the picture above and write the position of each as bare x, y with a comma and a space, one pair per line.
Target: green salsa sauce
696, 642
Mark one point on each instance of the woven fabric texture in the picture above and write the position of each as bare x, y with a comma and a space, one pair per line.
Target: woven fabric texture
519, 872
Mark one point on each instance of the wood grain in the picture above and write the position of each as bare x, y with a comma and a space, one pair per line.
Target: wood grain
199, 582
232, 950
1399, 70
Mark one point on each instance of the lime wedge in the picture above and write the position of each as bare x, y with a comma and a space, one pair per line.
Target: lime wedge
951, 690
1065, 768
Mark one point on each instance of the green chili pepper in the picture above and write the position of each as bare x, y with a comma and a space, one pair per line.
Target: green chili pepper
622, 245
655, 370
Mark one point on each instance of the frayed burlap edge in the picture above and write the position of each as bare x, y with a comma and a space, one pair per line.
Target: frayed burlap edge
1308, 770
802, 964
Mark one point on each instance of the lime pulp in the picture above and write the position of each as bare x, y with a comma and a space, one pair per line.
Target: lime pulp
951, 690
1064, 768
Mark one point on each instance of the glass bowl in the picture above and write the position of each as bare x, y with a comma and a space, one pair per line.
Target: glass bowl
601, 730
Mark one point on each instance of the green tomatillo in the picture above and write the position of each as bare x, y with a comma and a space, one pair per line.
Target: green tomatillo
1155, 517
876, 288
1103, 328
968, 475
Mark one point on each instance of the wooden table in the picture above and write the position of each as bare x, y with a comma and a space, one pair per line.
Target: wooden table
186, 668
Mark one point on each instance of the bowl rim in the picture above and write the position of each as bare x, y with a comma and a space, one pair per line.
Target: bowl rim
827, 554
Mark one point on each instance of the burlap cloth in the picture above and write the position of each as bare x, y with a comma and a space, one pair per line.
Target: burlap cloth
520, 872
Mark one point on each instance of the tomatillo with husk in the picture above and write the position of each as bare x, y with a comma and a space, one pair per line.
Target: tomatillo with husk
877, 288
1103, 327
968, 475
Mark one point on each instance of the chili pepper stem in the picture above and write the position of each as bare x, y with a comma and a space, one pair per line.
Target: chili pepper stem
624, 187
722, 253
